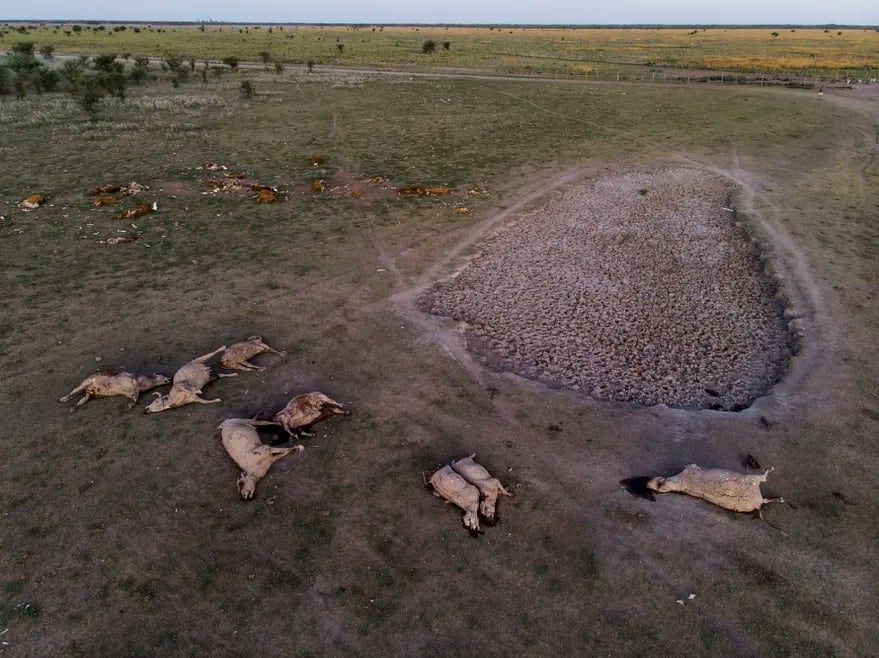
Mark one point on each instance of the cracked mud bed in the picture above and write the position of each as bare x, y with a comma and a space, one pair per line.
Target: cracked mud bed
639, 286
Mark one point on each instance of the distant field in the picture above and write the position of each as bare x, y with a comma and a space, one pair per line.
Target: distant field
601, 53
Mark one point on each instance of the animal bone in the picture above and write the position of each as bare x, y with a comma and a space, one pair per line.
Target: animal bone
241, 441
187, 385
739, 492
306, 409
236, 356
454, 489
107, 383
489, 487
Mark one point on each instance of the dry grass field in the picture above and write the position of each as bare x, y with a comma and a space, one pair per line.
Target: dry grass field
123, 533
577, 52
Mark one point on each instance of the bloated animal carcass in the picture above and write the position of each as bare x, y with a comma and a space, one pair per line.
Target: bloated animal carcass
187, 385
236, 356
137, 211
739, 492
489, 487
254, 458
453, 488
307, 409
107, 383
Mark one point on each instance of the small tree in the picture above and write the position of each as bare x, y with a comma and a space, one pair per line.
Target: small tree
88, 94
340, 47
310, 65
47, 51
428, 46
265, 56
447, 45
71, 70
140, 70
48, 78
247, 90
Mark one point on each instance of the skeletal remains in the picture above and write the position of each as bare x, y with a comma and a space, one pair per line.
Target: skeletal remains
107, 383
241, 440
462, 483
236, 356
306, 409
187, 385
739, 492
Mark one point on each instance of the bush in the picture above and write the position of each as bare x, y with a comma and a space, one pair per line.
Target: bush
340, 47
49, 78
447, 45
71, 71
310, 65
140, 70
107, 63
88, 94
47, 51
279, 67
231, 62
76, 28
247, 90
428, 46
265, 56
25, 48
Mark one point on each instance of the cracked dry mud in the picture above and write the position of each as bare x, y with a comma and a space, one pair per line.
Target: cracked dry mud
634, 286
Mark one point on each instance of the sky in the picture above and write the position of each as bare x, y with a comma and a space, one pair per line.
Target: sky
738, 12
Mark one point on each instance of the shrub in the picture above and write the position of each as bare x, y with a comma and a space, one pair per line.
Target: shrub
247, 90
25, 48
71, 71
88, 94
231, 62
173, 63
340, 47
265, 56
447, 45
428, 46
107, 63
310, 65
76, 28
140, 70
49, 78
279, 67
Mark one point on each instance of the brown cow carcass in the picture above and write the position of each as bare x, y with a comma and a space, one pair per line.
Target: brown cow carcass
307, 409
236, 357
489, 487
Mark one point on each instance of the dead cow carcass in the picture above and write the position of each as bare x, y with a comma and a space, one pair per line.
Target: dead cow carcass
452, 488
187, 385
739, 492
489, 487
107, 383
236, 356
33, 202
307, 409
254, 458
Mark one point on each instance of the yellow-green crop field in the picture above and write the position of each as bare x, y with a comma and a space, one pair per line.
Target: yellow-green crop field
594, 52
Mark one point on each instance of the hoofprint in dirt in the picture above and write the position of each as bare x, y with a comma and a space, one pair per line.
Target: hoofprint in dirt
639, 286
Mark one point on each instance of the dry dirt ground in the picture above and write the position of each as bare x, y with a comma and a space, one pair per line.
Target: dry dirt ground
140, 546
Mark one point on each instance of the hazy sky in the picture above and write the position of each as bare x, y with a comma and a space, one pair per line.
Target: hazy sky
854, 12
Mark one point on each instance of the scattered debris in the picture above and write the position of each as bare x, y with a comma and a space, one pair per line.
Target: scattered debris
33, 202
739, 492
241, 440
236, 356
108, 383
305, 410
